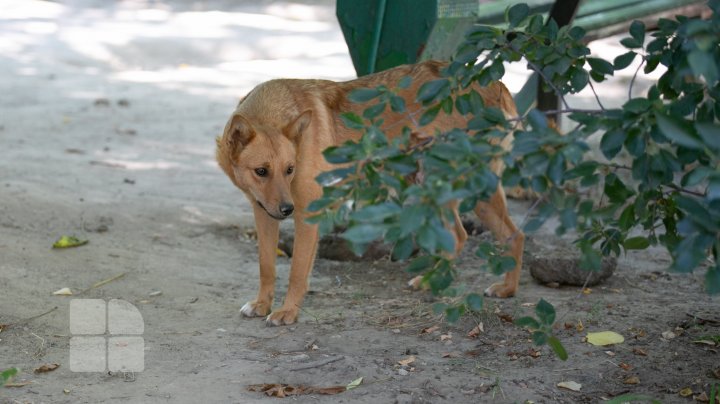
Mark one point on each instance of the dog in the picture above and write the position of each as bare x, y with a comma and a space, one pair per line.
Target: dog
271, 149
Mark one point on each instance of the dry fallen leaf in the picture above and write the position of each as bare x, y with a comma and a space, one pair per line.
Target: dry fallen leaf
529, 304
579, 327
354, 383
570, 385
280, 253
475, 332
506, 317
407, 361
716, 373
702, 398
686, 392
4, 326
47, 368
18, 384
632, 380
429, 330
625, 366
604, 338
63, 292
610, 353
587, 291
668, 335
285, 390
639, 352
446, 337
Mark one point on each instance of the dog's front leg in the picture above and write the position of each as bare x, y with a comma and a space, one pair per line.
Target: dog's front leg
305, 245
267, 230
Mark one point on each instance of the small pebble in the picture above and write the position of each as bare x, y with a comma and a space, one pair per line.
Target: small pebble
403, 372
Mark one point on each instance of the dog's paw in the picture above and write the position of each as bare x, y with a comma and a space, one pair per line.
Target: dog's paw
500, 290
282, 316
255, 309
417, 283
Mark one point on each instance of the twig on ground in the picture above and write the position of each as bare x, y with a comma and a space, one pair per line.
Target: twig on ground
318, 363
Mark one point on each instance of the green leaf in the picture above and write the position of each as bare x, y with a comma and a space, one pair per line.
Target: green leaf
397, 104
421, 264
636, 243
403, 249
631, 43
516, 14
539, 338
557, 347
474, 302
545, 312
601, 66
430, 90
429, 115
710, 134
612, 142
527, 322
69, 242
8, 374
452, 314
360, 95
376, 213
678, 131
374, 111
637, 105
637, 31
712, 280
426, 238
411, 219
351, 120
363, 233
696, 176
703, 64
624, 60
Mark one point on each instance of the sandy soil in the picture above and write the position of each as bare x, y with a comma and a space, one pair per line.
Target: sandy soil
108, 113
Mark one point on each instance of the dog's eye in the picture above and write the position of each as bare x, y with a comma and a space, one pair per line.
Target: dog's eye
261, 172
290, 170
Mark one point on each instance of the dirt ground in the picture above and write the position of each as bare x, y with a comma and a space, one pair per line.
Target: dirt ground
108, 113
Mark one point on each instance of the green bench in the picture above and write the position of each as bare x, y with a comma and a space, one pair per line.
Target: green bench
381, 34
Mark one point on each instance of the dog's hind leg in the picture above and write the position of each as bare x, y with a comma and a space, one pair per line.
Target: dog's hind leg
267, 230
306, 240
495, 216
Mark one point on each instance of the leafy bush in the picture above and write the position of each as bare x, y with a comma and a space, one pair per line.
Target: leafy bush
658, 183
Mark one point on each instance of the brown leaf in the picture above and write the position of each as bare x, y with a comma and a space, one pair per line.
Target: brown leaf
579, 327
47, 368
475, 332
429, 330
285, 390
451, 355
716, 373
702, 397
407, 361
505, 317
4, 326
446, 337
625, 366
632, 380
639, 352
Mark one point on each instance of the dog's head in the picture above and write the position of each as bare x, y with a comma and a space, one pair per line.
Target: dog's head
261, 160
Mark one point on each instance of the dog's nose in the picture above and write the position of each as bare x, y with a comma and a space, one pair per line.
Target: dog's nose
286, 209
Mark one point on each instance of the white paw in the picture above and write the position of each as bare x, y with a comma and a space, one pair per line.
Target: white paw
252, 309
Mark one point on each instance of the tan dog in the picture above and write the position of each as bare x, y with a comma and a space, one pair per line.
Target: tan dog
272, 150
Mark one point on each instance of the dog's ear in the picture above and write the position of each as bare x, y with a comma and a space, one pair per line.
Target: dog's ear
239, 132
296, 128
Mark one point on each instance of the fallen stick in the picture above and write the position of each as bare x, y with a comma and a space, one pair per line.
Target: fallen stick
102, 283
318, 363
